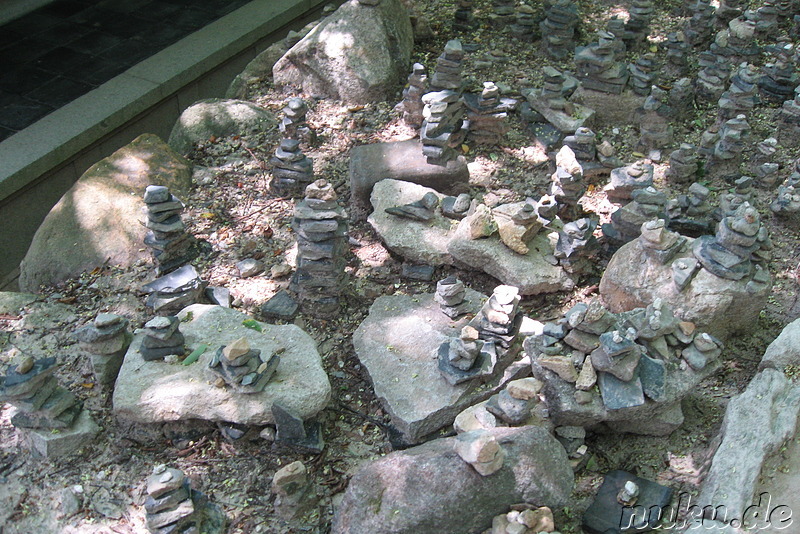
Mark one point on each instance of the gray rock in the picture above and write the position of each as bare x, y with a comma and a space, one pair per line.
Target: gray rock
280, 306
217, 117
427, 489
95, 221
383, 340
150, 392
357, 54
785, 350
401, 160
49, 444
249, 267
530, 272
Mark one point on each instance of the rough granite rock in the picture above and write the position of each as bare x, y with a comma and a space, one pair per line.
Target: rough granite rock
429, 489
531, 273
397, 343
216, 117
417, 241
718, 306
399, 160
358, 54
157, 391
96, 220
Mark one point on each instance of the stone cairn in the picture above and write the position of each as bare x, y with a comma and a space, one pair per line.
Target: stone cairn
737, 43
638, 27
681, 98
712, 77
294, 124
786, 204
778, 78
517, 223
642, 74
292, 170
730, 201
241, 367
727, 11
761, 164
658, 242
567, 185
321, 228
628, 356
481, 450
683, 164
625, 180
732, 137
169, 506
655, 130
450, 294
502, 13
740, 97
423, 209
558, 27
524, 26
293, 490
598, 65
788, 118
162, 338
730, 252
463, 19
444, 129
458, 357
412, 105
690, 213
765, 19
677, 53
577, 246
167, 237
487, 116
498, 321
626, 222
699, 27
106, 339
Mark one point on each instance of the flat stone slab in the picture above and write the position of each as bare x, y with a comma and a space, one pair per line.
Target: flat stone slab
156, 391
49, 444
399, 160
398, 343
417, 241
530, 272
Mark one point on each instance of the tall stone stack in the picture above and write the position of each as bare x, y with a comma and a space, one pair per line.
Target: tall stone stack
789, 121
294, 124
524, 27
567, 185
654, 127
699, 28
733, 135
728, 254
677, 53
502, 13
450, 294
762, 164
558, 27
50, 415
681, 98
412, 105
576, 246
447, 73
498, 320
292, 170
683, 164
740, 97
778, 78
107, 339
444, 128
765, 18
487, 116
169, 507
737, 43
321, 228
638, 27
167, 239
712, 77
598, 66
463, 19
642, 74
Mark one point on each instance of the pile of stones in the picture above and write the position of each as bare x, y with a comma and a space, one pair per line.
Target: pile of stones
514, 403
683, 165
487, 114
787, 198
690, 213
502, 13
169, 507
450, 294
655, 115
167, 237
659, 243
576, 246
567, 185
162, 338
412, 105
292, 170
626, 222
241, 367
517, 223
443, 129
598, 65
677, 53
779, 78
524, 26
700, 26
731, 141
294, 124
106, 339
740, 97
558, 27
642, 74
638, 27
681, 98
731, 201
712, 77
463, 19
761, 164
321, 228
789, 121
498, 321
447, 73
625, 180
466, 357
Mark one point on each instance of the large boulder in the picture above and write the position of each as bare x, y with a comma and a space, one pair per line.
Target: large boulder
429, 489
216, 117
97, 219
359, 54
721, 307
156, 391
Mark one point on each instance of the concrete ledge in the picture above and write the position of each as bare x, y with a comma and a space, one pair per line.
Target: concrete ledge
39, 164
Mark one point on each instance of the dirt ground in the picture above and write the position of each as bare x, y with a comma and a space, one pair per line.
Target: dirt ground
238, 218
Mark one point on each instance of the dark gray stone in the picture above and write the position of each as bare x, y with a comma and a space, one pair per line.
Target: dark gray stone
293, 431
618, 394
652, 373
606, 515
280, 306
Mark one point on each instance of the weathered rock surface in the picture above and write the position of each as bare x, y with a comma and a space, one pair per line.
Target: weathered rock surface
531, 273
417, 241
400, 160
718, 306
96, 220
397, 343
216, 117
429, 489
358, 54
156, 391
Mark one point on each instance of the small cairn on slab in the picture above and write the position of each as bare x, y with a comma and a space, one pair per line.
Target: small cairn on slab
294, 124
741, 96
626, 222
450, 294
498, 320
712, 77
173, 507
106, 339
625, 180
683, 165
481, 450
292, 170
576, 246
321, 228
466, 357
411, 106
598, 65
162, 338
241, 367
167, 238
762, 164
558, 27
517, 223
660, 243
567, 185
423, 209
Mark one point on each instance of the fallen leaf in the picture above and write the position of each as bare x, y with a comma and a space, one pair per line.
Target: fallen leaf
252, 324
